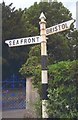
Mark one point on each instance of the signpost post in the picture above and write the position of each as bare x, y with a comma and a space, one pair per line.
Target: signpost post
42, 39
44, 64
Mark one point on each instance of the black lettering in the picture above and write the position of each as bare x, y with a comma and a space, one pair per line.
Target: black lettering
21, 41
33, 40
66, 25
13, 42
25, 41
37, 39
9, 43
17, 42
56, 28
29, 40
50, 29
47, 31
63, 26
59, 27
53, 29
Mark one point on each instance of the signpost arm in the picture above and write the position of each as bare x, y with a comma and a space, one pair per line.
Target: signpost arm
44, 74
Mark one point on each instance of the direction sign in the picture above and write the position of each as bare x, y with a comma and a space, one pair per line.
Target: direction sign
58, 28
23, 41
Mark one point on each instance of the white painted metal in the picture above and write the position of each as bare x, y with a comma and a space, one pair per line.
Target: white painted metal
23, 41
43, 53
60, 27
44, 110
44, 77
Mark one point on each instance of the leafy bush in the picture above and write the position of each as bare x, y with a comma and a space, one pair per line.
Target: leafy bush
62, 88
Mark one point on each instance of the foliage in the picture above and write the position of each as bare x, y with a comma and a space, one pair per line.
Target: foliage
24, 23
58, 48
73, 43
62, 81
37, 106
11, 24
62, 90
32, 63
59, 45
62, 95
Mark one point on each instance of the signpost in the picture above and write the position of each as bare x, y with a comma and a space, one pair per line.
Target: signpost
45, 32
44, 74
58, 28
23, 41
37, 39
42, 39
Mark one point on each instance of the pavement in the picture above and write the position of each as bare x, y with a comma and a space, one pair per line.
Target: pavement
14, 113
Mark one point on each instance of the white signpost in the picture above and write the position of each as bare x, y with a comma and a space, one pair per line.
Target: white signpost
45, 32
42, 39
58, 28
37, 39
23, 41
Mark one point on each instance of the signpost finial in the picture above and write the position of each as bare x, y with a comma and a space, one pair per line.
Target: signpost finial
42, 16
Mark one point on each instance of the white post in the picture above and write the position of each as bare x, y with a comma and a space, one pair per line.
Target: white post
44, 64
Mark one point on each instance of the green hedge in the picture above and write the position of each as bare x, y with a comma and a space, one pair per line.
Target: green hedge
62, 87
62, 90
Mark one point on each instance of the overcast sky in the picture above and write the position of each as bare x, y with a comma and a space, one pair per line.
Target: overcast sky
70, 4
